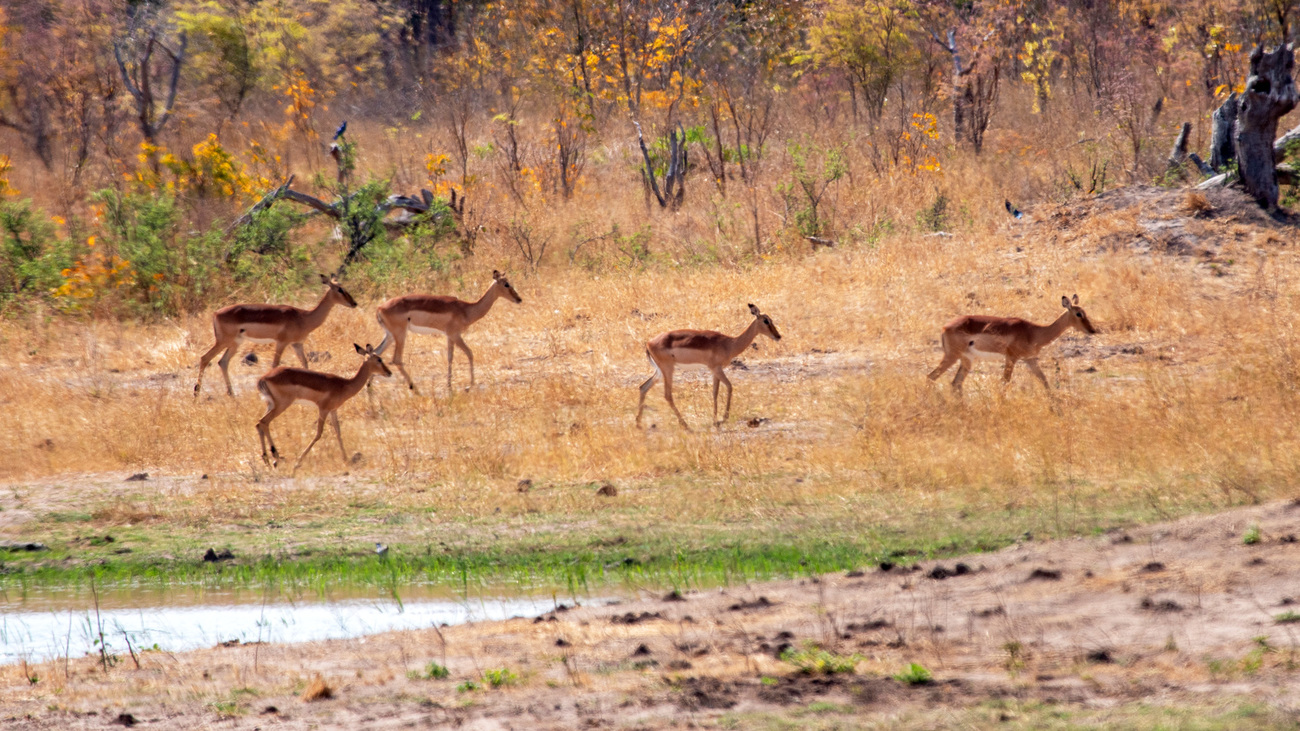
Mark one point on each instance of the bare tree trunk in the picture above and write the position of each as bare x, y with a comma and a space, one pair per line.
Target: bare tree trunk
1222, 150
1180, 156
1270, 94
674, 190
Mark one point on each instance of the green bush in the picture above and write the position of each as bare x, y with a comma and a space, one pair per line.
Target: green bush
915, 674
432, 671
32, 257
499, 677
142, 228
813, 660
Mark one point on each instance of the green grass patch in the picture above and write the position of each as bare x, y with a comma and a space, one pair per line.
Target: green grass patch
915, 674
432, 671
814, 660
500, 677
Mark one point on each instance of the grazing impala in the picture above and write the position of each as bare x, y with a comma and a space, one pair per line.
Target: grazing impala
280, 324
1010, 338
427, 313
280, 387
700, 347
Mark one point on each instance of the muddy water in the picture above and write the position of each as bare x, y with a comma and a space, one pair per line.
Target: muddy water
48, 627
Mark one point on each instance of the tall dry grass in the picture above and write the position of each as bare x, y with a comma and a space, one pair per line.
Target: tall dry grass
1188, 395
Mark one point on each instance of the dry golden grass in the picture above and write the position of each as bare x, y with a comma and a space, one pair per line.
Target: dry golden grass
1188, 392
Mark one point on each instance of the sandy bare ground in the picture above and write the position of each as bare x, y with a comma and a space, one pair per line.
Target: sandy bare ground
1182, 612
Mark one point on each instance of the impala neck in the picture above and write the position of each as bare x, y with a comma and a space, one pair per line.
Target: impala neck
316, 315
476, 310
742, 341
357, 382
1045, 334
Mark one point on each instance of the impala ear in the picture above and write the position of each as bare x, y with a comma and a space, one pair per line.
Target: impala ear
1065, 302
1076, 300
324, 279
496, 274
753, 310
359, 350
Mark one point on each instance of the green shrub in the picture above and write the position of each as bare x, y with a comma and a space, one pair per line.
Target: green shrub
813, 660
915, 674
432, 671
499, 677
32, 257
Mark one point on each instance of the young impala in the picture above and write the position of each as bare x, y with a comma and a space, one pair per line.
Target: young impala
280, 387
280, 324
1009, 338
427, 313
700, 347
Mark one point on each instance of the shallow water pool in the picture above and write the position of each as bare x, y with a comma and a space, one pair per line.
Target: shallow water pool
45, 629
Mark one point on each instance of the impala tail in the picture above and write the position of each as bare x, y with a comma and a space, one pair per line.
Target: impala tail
388, 337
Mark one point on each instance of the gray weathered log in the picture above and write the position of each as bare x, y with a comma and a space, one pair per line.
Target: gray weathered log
1222, 145
1280, 144
1218, 181
266, 201
1270, 94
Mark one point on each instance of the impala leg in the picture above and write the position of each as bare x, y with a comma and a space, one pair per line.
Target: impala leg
726, 382
460, 343
1006, 372
399, 346
962, 371
279, 351
204, 362
668, 396
645, 389
225, 367
302, 356
1032, 365
320, 429
334, 422
950, 356
716, 382
944, 365
451, 351
264, 433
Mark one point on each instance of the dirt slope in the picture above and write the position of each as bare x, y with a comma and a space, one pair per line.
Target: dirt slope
1176, 613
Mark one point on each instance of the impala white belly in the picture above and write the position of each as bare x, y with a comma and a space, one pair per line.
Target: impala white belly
423, 330
259, 341
985, 354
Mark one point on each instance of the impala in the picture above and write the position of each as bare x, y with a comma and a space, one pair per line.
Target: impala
427, 313
700, 347
980, 336
282, 386
280, 324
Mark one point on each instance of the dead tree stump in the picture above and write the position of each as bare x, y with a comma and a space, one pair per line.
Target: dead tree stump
1222, 150
1179, 156
1270, 94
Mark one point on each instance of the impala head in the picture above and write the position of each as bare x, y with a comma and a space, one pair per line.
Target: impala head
337, 292
1078, 318
373, 360
765, 324
499, 278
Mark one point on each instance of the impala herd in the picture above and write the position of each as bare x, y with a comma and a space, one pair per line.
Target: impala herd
964, 339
